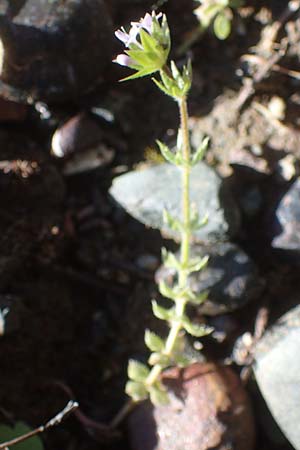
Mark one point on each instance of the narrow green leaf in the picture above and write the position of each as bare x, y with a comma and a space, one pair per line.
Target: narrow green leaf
200, 152
161, 87
167, 81
137, 371
182, 360
141, 73
199, 299
172, 222
160, 312
159, 358
197, 264
166, 152
170, 260
174, 293
167, 291
137, 391
180, 162
148, 42
175, 71
186, 293
138, 56
156, 29
153, 341
165, 32
196, 330
147, 60
158, 395
196, 224
222, 26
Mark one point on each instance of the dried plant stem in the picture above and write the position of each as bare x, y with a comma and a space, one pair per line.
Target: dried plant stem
69, 408
122, 414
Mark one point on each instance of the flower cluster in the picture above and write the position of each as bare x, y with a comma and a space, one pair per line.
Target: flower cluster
148, 44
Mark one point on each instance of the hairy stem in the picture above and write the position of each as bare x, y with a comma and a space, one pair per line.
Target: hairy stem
180, 303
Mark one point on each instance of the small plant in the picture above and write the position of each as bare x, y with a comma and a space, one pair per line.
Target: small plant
217, 13
147, 50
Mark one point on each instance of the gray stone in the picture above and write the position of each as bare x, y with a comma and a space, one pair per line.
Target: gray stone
287, 220
230, 277
146, 193
277, 373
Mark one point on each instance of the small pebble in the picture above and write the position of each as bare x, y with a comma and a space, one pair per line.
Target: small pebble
277, 107
89, 160
79, 133
286, 167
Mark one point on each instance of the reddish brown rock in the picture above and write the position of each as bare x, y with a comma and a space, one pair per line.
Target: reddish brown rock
208, 409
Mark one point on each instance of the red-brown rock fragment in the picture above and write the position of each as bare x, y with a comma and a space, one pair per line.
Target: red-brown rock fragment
208, 409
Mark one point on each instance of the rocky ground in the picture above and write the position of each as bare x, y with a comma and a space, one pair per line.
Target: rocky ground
78, 271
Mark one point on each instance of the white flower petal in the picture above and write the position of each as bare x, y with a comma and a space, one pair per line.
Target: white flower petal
122, 36
123, 60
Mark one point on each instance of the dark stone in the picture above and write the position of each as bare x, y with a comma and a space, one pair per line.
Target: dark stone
230, 277
208, 409
78, 133
277, 373
53, 50
80, 141
146, 193
287, 220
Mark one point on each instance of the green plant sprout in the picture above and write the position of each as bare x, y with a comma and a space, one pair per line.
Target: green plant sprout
147, 50
217, 13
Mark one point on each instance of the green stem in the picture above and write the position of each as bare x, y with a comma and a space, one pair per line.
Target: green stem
180, 304
186, 152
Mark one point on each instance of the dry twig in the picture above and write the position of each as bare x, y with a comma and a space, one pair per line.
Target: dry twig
56, 420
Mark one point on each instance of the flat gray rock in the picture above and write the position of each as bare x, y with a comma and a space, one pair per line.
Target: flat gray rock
230, 277
146, 193
277, 373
